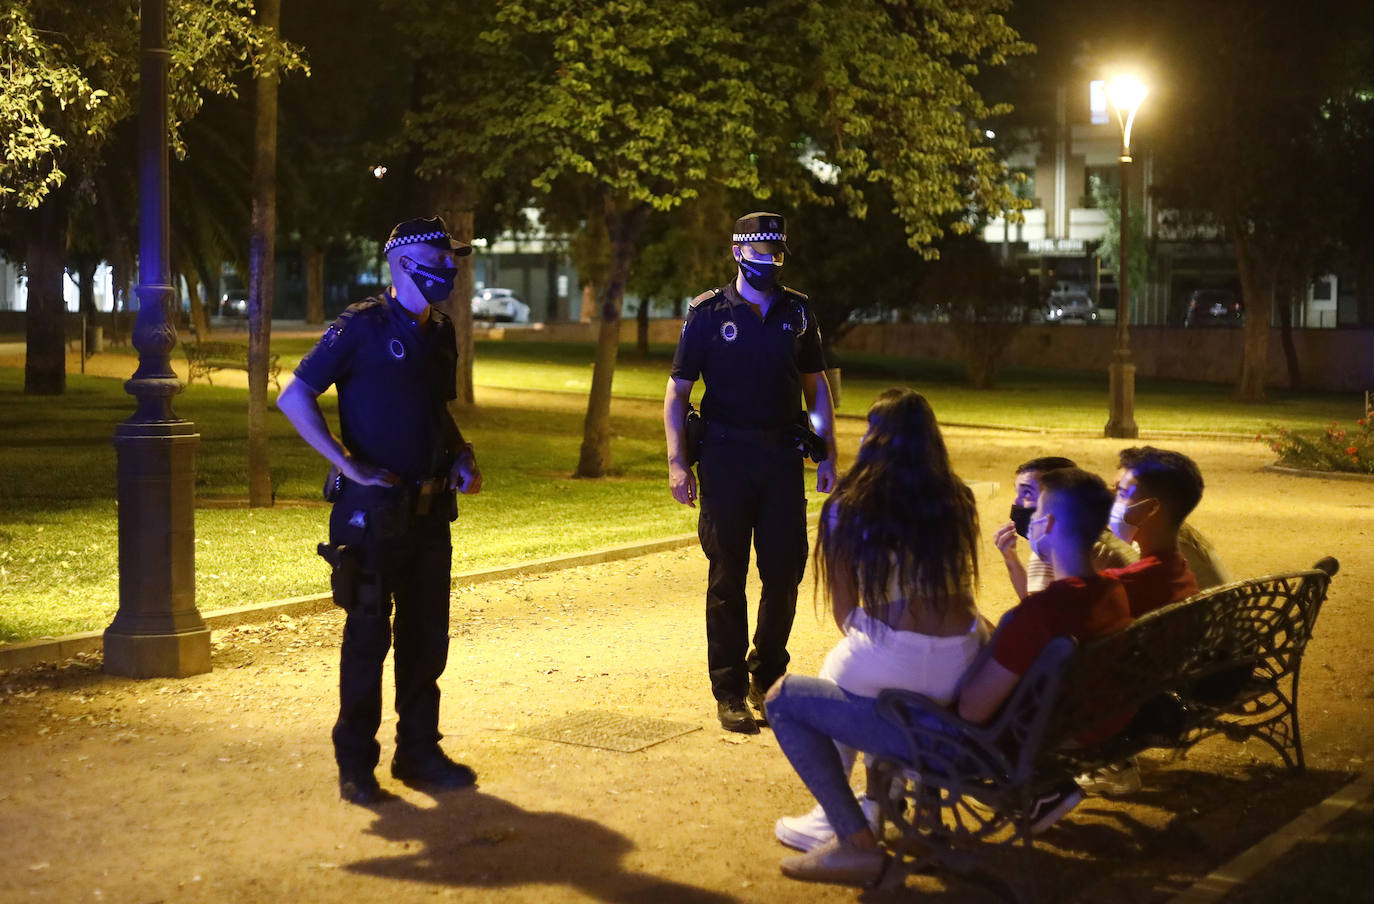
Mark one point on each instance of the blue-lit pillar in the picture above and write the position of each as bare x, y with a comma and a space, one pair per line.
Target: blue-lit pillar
158, 631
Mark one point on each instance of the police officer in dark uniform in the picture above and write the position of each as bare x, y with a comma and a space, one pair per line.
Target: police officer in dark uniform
757, 346
401, 459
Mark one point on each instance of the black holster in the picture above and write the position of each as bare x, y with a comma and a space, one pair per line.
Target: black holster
347, 578
808, 442
693, 429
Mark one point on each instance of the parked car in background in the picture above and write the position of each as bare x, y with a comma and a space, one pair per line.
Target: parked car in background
234, 303
1214, 307
1070, 307
499, 306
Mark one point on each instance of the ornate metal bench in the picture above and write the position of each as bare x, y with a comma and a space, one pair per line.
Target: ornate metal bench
1223, 662
202, 358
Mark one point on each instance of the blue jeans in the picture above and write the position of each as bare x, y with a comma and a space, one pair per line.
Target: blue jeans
808, 717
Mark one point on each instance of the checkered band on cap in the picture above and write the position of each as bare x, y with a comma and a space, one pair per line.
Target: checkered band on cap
759, 237
413, 240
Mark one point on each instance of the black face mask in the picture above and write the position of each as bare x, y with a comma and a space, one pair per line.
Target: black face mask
760, 275
434, 283
1021, 517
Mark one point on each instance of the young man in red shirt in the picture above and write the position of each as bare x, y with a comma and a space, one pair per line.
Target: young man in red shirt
1071, 512
1155, 490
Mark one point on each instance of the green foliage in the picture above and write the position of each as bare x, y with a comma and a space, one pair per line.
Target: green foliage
647, 100
1332, 449
69, 79
1108, 200
884, 92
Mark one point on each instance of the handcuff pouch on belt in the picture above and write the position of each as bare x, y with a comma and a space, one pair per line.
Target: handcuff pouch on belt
434, 496
693, 429
808, 441
333, 483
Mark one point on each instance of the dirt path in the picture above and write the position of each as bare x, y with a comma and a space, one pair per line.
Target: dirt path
221, 787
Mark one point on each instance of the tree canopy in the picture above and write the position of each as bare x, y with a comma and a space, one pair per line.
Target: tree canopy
70, 78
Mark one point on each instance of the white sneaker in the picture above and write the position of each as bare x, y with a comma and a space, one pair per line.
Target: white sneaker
806, 833
1112, 780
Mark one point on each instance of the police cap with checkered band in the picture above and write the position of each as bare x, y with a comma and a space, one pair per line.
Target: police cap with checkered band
764, 230
430, 231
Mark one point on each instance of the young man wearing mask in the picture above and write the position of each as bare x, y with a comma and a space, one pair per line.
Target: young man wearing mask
1037, 573
756, 345
397, 465
1156, 489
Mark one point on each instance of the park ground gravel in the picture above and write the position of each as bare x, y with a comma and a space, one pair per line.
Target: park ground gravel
221, 787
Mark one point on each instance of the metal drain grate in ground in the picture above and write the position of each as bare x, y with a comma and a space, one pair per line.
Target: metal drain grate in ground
609, 731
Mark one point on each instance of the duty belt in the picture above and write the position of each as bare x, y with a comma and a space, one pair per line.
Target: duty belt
417, 496
757, 435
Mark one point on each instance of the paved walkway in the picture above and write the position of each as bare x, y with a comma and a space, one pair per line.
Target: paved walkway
221, 787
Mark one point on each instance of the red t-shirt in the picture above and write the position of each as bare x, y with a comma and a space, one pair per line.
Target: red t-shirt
1082, 608
1155, 581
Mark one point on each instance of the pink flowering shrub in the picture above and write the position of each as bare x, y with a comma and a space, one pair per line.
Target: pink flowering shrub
1334, 449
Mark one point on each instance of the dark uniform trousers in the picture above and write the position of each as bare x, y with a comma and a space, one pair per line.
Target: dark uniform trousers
406, 559
750, 489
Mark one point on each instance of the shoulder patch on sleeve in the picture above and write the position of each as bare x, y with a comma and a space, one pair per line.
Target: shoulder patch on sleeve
369, 307
704, 296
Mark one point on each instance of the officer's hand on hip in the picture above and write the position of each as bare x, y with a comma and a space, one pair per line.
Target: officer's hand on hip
465, 476
369, 475
683, 483
825, 476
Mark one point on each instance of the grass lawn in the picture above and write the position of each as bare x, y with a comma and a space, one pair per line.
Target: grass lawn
58, 530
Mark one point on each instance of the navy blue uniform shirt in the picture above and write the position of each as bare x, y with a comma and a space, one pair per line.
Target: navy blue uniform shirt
752, 367
394, 377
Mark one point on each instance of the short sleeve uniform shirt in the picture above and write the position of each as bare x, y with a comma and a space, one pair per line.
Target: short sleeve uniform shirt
752, 367
394, 377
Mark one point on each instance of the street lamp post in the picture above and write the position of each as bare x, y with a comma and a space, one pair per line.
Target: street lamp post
157, 632
1125, 95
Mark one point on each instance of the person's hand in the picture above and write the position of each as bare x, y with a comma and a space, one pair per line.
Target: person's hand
1005, 540
683, 483
825, 475
367, 474
465, 476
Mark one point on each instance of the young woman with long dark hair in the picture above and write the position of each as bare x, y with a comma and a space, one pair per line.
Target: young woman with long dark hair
897, 557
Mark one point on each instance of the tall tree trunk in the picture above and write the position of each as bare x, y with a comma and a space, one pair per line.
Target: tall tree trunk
454, 202
45, 362
314, 282
200, 321
262, 249
85, 271
588, 310
623, 226
551, 288
1285, 300
1257, 287
642, 329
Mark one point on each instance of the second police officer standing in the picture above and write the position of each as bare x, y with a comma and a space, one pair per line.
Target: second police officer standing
757, 346
401, 457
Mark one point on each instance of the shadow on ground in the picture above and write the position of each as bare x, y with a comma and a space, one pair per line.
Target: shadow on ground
478, 840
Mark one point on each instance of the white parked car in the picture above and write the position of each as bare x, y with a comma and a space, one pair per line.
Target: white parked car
1070, 307
499, 306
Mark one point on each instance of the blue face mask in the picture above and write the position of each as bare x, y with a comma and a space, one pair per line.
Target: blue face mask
760, 275
434, 283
